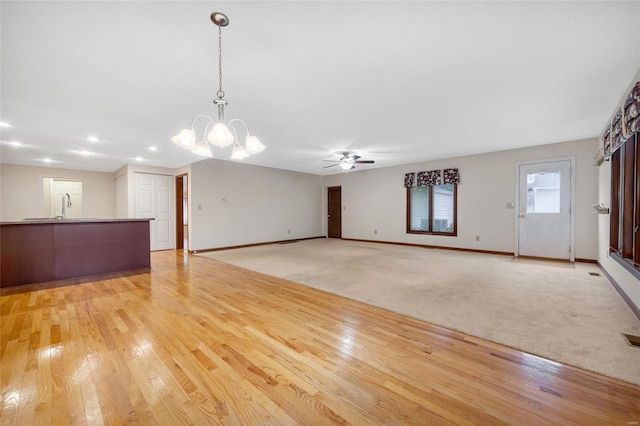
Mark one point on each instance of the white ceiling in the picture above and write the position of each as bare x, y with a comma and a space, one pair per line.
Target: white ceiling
396, 82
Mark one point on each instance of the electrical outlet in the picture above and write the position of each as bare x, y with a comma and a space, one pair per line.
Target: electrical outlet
375, 231
477, 237
289, 231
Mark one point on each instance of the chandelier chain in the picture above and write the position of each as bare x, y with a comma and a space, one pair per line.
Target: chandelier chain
220, 91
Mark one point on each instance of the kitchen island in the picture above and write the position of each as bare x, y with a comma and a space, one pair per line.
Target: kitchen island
40, 250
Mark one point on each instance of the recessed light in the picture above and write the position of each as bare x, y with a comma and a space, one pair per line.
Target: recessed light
2, 124
15, 143
138, 158
153, 148
93, 139
82, 152
46, 160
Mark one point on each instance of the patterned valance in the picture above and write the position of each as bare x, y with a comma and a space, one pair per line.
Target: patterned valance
432, 178
451, 176
429, 178
409, 180
625, 123
632, 111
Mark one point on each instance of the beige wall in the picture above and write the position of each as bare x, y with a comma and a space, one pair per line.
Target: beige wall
262, 204
376, 199
233, 204
21, 191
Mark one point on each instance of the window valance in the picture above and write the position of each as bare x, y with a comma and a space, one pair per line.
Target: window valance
451, 176
429, 178
624, 124
409, 180
432, 178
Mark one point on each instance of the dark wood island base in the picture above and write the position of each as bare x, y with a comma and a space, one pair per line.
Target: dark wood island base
52, 250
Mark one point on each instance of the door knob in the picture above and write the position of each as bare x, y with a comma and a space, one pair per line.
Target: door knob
522, 216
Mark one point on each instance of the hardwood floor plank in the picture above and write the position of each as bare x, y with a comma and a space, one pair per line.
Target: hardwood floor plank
240, 398
59, 403
26, 409
132, 407
42, 327
195, 341
72, 348
12, 393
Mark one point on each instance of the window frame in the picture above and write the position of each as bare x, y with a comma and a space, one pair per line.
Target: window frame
453, 233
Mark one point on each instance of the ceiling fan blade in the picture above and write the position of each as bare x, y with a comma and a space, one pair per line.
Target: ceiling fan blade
365, 162
354, 157
352, 167
326, 167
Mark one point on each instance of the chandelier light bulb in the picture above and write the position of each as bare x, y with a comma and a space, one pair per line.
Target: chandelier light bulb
220, 135
186, 139
203, 149
238, 152
253, 145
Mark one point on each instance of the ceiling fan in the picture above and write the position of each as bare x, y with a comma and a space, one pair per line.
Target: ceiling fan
348, 161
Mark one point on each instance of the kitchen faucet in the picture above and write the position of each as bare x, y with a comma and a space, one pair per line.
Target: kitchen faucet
65, 204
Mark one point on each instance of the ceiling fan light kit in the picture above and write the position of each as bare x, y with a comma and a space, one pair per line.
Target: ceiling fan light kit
348, 161
217, 132
345, 165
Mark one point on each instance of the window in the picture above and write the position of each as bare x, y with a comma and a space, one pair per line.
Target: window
432, 209
624, 239
543, 192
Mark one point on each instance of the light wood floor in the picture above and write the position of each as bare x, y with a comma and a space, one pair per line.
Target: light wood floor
201, 342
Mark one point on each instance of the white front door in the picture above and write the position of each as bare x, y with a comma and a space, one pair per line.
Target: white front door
544, 210
153, 199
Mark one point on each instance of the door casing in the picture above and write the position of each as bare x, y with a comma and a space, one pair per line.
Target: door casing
572, 203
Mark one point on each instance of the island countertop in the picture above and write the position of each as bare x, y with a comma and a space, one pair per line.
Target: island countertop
39, 220
43, 249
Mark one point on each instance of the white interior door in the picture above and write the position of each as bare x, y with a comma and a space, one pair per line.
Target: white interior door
165, 235
153, 196
544, 214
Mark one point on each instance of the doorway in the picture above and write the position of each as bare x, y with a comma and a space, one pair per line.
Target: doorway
182, 213
60, 194
334, 212
545, 205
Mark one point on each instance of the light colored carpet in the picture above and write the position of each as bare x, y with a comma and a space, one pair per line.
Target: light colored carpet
550, 309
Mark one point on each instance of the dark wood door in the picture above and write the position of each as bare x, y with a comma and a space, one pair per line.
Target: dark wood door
179, 213
334, 211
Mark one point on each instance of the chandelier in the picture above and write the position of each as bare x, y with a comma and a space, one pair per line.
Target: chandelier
217, 132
